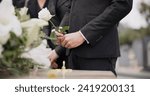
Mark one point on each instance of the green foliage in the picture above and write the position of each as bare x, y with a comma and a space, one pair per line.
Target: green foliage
14, 47
17, 67
129, 36
145, 31
61, 30
21, 17
33, 36
53, 36
64, 29
12, 63
145, 11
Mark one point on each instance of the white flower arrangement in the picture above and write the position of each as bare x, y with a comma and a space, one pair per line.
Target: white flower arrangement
17, 33
4, 34
23, 11
1, 49
6, 7
32, 28
8, 21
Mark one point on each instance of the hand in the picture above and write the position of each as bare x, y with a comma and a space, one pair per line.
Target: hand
52, 57
54, 65
60, 37
72, 40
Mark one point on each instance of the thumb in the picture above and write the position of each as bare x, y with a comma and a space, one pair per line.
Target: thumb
54, 65
59, 34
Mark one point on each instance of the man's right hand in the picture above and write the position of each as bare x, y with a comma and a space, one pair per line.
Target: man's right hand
52, 57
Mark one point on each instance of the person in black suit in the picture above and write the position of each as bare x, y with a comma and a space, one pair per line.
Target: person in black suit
92, 41
59, 8
19, 3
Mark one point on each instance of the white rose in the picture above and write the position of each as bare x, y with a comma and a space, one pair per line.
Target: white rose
7, 6
16, 26
4, 34
23, 11
45, 14
53, 30
1, 50
33, 22
32, 35
8, 19
12, 22
60, 27
32, 28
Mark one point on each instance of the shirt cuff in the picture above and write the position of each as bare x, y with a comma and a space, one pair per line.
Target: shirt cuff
84, 37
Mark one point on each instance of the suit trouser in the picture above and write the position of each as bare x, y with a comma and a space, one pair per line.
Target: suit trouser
81, 63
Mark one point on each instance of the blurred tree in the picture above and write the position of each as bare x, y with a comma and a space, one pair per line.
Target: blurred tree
128, 36
145, 11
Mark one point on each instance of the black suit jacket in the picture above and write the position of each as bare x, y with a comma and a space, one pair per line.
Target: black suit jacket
18, 3
57, 7
97, 20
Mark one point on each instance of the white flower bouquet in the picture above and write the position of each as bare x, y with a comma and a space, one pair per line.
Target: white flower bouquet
18, 33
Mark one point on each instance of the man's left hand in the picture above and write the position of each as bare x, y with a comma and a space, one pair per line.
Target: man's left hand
72, 40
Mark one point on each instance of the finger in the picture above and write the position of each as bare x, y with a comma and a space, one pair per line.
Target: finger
60, 39
68, 45
54, 65
58, 42
51, 59
64, 42
59, 34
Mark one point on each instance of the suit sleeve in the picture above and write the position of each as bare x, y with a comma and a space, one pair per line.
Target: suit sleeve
61, 51
96, 28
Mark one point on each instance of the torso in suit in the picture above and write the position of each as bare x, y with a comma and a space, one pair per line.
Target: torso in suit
18, 3
98, 20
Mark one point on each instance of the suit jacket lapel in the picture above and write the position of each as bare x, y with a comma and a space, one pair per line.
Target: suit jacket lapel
51, 6
61, 2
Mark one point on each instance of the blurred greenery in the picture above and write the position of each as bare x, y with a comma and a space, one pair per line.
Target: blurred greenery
145, 11
128, 35
12, 63
21, 17
62, 30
